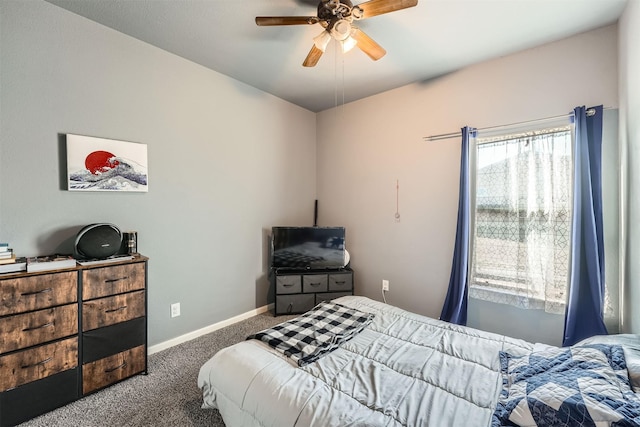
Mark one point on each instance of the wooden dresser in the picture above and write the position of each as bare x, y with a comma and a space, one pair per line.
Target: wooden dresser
67, 333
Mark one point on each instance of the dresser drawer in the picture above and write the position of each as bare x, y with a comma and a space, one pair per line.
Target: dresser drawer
25, 330
37, 363
103, 342
290, 284
288, 304
111, 310
103, 372
117, 279
35, 292
37, 397
314, 283
341, 282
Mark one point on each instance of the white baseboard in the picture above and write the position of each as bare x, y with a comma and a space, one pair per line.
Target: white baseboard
208, 329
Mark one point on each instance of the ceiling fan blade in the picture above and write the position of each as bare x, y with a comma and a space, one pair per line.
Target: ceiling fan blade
368, 45
313, 57
286, 20
378, 7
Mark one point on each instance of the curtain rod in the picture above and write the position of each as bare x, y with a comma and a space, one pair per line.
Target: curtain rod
590, 112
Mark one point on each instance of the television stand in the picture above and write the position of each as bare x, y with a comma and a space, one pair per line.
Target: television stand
298, 291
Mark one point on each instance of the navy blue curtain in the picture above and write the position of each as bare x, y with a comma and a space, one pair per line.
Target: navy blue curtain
584, 316
455, 305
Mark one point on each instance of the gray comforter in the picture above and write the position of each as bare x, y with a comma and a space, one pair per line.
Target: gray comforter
402, 370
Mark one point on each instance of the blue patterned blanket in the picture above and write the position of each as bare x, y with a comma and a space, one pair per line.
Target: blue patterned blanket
567, 387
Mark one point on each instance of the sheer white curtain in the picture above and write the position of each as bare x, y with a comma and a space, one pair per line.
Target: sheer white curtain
522, 219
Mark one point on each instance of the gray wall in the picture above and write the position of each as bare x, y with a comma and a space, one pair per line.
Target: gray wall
630, 162
226, 161
365, 147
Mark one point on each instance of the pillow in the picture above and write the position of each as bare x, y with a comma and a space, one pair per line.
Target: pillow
572, 386
631, 346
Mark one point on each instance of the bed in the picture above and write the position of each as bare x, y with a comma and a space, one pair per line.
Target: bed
403, 369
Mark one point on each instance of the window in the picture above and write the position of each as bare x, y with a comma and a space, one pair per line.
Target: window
521, 226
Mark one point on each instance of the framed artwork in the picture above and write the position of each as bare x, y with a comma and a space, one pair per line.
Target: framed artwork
99, 164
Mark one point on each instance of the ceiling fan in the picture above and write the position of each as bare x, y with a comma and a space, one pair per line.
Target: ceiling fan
337, 17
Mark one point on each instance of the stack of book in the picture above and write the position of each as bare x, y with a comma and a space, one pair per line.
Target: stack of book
9, 263
5, 252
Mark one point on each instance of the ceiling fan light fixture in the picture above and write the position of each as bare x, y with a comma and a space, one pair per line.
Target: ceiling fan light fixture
348, 44
322, 40
341, 30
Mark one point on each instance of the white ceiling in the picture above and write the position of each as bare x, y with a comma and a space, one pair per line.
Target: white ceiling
432, 39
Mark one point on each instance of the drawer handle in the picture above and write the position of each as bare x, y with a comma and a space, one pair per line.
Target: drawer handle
316, 284
37, 363
108, 371
115, 309
288, 285
340, 282
26, 294
116, 280
46, 325
290, 308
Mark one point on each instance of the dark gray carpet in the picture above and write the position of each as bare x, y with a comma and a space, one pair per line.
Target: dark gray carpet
167, 396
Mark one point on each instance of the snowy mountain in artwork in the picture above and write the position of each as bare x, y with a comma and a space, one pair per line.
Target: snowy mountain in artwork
118, 174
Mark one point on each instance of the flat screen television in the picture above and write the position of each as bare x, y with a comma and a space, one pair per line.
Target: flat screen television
308, 248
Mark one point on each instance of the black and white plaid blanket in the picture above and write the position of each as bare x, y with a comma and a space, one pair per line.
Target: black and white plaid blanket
317, 332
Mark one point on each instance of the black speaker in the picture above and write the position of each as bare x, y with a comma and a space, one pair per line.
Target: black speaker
98, 241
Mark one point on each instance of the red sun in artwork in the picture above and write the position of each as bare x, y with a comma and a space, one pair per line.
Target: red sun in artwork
98, 162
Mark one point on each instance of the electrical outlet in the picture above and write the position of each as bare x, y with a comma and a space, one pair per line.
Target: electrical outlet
385, 285
175, 309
